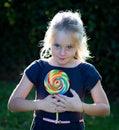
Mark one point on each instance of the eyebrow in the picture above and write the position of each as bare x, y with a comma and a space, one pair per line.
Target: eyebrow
70, 44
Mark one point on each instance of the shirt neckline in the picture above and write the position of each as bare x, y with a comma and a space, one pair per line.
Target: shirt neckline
64, 67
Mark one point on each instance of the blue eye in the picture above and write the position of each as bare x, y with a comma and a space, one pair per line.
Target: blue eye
56, 45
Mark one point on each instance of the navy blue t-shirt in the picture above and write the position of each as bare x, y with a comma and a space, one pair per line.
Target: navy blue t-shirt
82, 79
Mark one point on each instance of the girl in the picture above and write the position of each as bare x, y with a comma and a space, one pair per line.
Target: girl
62, 80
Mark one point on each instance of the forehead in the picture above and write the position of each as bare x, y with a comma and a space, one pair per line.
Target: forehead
63, 37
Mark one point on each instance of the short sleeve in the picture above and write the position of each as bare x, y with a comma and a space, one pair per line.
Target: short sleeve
90, 77
32, 72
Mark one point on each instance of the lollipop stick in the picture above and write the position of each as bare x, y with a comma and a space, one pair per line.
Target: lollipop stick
57, 116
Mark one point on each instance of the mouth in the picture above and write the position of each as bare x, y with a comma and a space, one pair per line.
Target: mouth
62, 59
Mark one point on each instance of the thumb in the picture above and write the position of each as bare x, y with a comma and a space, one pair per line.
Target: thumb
73, 92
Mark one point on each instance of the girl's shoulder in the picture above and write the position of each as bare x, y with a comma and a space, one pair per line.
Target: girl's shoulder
84, 66
89, 69
37, 63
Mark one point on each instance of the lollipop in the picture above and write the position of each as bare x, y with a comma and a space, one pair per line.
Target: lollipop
56, 82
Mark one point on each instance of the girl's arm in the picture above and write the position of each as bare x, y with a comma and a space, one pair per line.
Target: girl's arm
101, 105
17, 101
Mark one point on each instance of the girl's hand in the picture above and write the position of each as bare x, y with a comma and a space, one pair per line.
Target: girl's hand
48, 104
65, 103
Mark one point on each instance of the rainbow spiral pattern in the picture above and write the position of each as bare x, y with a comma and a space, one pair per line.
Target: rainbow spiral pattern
56, 82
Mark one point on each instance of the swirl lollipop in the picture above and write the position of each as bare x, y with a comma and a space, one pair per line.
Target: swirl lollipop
56, 82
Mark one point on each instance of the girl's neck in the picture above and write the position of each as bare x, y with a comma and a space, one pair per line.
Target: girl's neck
72, 64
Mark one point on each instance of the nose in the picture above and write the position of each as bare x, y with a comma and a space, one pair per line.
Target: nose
62, 51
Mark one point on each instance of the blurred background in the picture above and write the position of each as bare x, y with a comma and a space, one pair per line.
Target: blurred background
22, 26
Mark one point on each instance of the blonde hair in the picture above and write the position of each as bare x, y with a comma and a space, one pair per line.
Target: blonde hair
70, 22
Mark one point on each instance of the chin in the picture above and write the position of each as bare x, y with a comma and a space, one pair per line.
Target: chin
62, 63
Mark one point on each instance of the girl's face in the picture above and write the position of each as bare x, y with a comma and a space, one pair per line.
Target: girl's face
63, 49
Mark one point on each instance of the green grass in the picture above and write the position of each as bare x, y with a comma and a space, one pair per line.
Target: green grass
12, 120
104, 123
22, 121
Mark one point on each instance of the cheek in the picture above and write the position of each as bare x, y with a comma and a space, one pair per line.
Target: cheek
53, 51
72, 53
